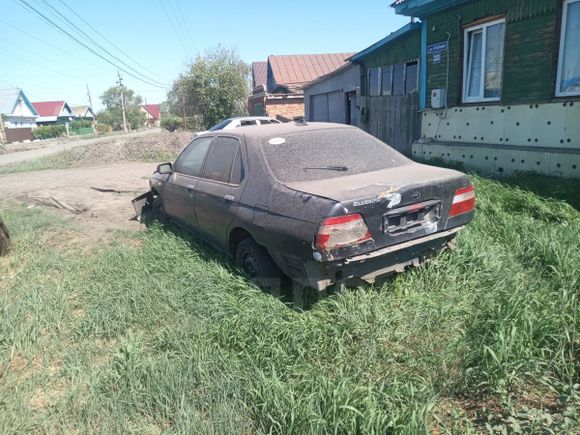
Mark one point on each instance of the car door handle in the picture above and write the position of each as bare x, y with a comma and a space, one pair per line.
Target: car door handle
229, 198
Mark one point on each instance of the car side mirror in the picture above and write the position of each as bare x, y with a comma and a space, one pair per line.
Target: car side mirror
164, 168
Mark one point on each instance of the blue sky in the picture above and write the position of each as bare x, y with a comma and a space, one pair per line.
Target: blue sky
54, 67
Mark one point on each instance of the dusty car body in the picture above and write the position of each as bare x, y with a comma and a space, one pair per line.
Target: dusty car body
318, 203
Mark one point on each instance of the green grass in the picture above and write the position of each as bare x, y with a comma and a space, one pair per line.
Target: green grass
157, 333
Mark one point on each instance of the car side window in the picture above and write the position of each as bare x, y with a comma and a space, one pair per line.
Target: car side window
220, 160
191, 159
264, 121
246, 123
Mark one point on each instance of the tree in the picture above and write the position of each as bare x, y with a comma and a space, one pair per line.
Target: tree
111, 98
113, 114
215, 87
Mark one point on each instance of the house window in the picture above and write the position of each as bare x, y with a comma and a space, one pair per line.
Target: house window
483, 62
387, 80
374, 82
399, 79
568, 80
411, 78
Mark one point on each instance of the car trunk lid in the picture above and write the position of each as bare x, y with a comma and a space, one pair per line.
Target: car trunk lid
397, 204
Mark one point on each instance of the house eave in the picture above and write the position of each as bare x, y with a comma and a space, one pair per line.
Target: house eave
423, 8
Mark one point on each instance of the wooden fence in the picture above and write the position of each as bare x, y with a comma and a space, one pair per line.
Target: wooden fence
393, 119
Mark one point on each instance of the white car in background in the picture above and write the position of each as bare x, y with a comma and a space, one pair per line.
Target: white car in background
243, 121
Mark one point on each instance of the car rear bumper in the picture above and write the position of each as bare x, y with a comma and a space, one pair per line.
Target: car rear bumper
381, 262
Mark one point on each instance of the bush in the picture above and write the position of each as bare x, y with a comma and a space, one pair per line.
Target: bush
171, 122
49, 131
81, 123
103, 128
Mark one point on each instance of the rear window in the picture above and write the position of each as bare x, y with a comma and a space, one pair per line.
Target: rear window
221, 125
323, 154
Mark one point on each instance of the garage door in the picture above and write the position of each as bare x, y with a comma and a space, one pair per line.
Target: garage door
335, 107
327, 107
319, 108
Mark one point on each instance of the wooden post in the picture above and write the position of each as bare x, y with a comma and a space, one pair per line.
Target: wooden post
4, 238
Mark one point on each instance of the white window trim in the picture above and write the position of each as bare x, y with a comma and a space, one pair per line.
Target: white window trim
561, 53
466, 32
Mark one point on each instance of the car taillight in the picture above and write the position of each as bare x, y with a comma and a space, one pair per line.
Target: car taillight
337, 232
463, 201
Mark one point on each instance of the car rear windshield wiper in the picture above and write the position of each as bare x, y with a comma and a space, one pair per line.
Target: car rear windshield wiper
328, 168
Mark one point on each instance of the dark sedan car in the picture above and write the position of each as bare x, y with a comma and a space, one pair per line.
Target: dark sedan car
317, 203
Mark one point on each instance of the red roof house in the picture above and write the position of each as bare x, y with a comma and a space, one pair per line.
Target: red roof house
152, 113
282, 95
53, 112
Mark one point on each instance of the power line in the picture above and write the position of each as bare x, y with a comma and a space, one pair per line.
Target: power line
185, 25
182, 29
28, 61
173, 25
108, 40
26, 5
50, 44
90, 39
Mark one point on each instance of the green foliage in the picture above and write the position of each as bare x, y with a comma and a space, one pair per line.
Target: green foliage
81, 123
215, 87
113, 114
111, 98
158, 333
103, 128
113, 117
171, 123
49, 131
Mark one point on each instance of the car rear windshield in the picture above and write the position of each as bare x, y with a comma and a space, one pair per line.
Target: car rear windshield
323, 154
221, 125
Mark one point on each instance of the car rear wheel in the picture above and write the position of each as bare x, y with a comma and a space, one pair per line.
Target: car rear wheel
257, 264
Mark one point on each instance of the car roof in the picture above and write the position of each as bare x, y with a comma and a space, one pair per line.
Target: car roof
249, 118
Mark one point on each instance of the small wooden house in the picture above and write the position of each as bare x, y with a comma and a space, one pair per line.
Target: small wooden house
500, 83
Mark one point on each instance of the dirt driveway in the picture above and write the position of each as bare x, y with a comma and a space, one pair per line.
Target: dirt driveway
73, 193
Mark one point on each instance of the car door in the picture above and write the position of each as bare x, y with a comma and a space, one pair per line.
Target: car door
219, 189
179, 192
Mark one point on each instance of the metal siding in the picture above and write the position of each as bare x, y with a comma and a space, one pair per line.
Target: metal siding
319, 108
336, 109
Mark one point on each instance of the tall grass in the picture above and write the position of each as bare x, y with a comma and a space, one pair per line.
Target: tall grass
157, 333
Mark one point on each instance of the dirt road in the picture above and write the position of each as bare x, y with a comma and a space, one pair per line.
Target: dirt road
20, 153
98, 212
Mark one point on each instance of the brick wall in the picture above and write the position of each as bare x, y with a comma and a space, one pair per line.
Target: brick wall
285, 109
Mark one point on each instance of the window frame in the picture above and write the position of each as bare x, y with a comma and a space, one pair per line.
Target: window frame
559, 93
197, 139
483, 28
379, 80
390, 68
202, 172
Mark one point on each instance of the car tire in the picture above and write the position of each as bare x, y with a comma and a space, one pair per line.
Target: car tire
158, 210
4, 238
255, 261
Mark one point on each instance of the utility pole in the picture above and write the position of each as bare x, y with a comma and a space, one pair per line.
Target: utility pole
2, 130
91, 106
120, 83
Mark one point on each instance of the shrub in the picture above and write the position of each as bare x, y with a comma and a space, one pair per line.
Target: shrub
171, 122
81, 123
103, 128
49, 131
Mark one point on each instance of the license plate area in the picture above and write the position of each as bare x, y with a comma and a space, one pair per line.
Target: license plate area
424, 215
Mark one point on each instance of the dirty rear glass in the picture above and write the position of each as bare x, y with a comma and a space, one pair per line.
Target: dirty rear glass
324, 154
